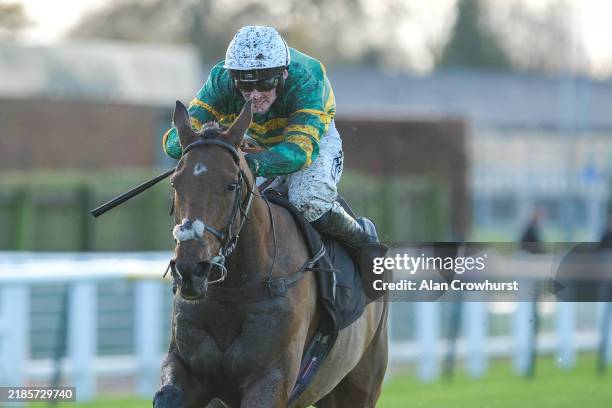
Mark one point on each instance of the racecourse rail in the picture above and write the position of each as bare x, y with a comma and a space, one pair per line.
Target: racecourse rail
83, 271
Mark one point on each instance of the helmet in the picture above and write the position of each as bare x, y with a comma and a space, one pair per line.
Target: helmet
255, 48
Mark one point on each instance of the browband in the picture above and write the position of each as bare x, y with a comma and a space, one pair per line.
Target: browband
217, 142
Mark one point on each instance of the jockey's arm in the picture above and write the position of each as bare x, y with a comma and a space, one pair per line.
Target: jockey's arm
300, 147
198, 115
203, 108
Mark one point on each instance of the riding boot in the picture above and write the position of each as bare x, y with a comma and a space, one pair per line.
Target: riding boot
361, 239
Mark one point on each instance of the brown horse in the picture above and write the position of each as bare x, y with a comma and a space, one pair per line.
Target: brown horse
240, 350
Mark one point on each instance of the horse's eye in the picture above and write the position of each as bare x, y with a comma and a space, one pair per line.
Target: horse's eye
232, 186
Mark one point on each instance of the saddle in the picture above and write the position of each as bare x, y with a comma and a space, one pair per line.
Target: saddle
340, 290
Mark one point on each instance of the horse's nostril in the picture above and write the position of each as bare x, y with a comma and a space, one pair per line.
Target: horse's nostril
187, 270
202, 269
184, 269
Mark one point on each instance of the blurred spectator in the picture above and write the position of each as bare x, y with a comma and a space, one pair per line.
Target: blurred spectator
531, 240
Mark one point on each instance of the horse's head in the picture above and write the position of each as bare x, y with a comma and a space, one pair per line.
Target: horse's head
212, 193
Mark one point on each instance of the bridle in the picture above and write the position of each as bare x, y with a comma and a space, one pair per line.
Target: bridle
228, 239
271, 287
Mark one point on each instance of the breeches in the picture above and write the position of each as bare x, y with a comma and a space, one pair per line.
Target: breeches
313, 190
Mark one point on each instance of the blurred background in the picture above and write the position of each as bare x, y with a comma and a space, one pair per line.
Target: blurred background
475, 120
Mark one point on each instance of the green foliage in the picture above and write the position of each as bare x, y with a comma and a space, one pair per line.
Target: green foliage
50, 211
472, 44
404, 209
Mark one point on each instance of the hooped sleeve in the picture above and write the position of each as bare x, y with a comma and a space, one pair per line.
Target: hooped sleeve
205, 107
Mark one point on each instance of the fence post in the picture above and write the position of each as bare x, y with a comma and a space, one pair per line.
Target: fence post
428, 328
475, 326
15, 334
147, 334
82, 338
523, 327
565, 325
604, 313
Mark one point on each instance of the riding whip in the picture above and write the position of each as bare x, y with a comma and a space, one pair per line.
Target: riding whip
129, 194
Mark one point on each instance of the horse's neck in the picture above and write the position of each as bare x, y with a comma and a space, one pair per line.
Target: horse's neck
251, 261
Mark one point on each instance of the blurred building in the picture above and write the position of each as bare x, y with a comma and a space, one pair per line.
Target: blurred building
534, 140
99, 71
89, 104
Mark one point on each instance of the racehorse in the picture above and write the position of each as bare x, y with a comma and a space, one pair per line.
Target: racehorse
238, 349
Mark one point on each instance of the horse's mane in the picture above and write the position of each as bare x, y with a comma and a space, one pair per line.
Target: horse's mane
212, 130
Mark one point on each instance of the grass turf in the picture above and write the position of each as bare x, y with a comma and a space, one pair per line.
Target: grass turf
500, 388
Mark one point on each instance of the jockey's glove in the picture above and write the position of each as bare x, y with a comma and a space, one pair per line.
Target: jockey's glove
273, 163
253, 163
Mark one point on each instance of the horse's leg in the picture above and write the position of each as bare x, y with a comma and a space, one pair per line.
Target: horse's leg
267, 390
179, 389
362, 386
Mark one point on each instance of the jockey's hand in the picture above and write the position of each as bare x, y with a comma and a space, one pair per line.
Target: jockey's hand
253, 163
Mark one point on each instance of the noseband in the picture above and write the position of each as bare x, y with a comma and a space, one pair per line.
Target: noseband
225, 236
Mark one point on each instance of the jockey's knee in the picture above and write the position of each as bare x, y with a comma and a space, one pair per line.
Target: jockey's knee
312, 206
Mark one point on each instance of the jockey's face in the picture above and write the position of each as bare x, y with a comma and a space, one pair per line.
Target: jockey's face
262, 100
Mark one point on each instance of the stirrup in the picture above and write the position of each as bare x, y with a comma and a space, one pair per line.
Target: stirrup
364, 256
369, 228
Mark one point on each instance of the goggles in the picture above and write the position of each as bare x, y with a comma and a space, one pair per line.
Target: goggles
263, 85
261, 80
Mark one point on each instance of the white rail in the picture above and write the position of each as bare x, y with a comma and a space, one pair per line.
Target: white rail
82, 271
18, 271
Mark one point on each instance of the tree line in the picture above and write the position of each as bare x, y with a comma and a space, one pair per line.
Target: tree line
484, 34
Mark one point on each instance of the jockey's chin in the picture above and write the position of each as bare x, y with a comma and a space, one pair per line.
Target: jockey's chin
262, 101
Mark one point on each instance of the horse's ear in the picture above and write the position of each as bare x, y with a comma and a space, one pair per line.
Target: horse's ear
182, 123
236, 132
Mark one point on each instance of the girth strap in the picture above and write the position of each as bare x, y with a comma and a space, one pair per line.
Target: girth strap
264, 291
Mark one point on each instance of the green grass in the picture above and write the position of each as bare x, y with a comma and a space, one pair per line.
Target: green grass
501, 388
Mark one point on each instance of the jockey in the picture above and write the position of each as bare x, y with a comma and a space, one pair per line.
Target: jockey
293, 106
